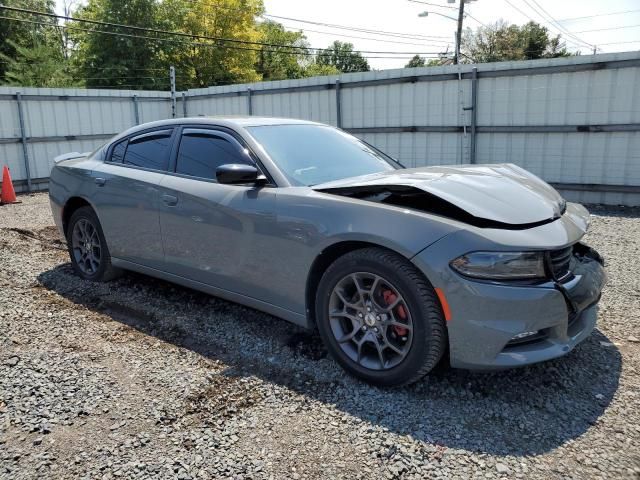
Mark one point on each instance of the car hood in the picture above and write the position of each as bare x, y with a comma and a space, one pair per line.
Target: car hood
499, 193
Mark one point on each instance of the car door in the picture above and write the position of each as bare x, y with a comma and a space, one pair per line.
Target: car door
213, 233
127, 196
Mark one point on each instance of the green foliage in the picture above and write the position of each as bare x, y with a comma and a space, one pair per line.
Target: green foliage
343, 58
47, 55
501, 42
416, 61
316, 70
14, 34
119, 61
201, 63
41, 65
275, 63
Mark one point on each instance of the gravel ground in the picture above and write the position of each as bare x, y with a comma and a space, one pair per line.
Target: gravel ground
139, 378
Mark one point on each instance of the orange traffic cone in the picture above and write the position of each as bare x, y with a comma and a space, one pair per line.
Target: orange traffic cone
8, 194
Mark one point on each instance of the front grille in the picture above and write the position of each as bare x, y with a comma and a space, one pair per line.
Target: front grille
560, 261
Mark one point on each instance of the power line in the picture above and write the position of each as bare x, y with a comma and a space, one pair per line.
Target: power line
533, 20
555, 23
474, 18
342, 27
597, 15
345, 27
182, 34
101, 68
609, 28
422, 40
434, 4
397, 55
133, 27
443, 42
619, 43
415, 36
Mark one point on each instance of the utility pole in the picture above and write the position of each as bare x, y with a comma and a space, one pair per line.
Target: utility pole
456, 56
172, 80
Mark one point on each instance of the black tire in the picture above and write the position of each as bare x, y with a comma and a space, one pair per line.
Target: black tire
105, 271
429, 339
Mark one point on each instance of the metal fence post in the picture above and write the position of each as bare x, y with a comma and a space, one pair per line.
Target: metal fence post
172, 81
474, 111
338, 106
184, 104
136, 113
23, 139
249, 106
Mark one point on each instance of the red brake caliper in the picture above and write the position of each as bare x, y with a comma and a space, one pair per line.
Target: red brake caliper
390, 297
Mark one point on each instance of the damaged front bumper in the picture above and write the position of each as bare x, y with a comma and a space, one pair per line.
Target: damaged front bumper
555, 328
501, 325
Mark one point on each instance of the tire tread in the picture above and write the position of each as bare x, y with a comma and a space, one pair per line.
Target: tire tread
109, 272
427, 297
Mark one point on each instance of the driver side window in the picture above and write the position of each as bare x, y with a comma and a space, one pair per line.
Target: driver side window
201, 153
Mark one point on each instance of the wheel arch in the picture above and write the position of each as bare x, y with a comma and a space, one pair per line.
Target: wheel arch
326, 257
70, 206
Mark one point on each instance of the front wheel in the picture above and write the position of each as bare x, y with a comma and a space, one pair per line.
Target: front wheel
87, 247
380, 318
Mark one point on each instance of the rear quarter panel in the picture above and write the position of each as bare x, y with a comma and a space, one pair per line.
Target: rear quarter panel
69, 178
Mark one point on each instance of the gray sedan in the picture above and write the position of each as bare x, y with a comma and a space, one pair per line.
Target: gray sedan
396, 267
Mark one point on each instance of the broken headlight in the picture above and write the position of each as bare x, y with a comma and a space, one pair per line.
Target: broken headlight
501, 265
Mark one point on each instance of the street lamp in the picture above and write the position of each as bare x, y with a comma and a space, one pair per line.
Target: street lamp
459, 20
456, 50
426, 14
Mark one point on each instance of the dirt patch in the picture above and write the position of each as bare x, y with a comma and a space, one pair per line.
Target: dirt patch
48, 236
224, 397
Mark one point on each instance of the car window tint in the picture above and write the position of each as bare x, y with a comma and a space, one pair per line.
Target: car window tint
200, 155
118, 152
149, 151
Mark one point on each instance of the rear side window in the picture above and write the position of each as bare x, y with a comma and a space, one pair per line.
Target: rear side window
200, 154
150, 150
118, 152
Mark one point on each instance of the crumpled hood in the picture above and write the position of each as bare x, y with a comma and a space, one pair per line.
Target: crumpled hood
502, 193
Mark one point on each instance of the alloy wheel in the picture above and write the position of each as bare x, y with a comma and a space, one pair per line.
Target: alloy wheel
86, 247
370, 320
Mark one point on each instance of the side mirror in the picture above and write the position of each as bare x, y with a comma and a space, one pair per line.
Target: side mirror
238, 173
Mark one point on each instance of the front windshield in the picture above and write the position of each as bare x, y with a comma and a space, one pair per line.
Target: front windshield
313, 154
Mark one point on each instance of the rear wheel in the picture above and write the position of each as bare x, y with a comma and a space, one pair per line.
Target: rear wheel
380, 317
87, 247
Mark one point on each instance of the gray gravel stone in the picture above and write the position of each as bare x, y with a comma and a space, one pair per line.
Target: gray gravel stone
139, 378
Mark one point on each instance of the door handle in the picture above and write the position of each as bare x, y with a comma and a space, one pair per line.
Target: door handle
100, 181
169, 200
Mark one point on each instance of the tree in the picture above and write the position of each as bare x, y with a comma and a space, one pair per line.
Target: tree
537, 43
343, 58
316, 70
501, 42
14, 34
119, 61
41, 65
202, 62
416, 61
275, 63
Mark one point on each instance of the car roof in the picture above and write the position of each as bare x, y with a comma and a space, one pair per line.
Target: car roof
231, 121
